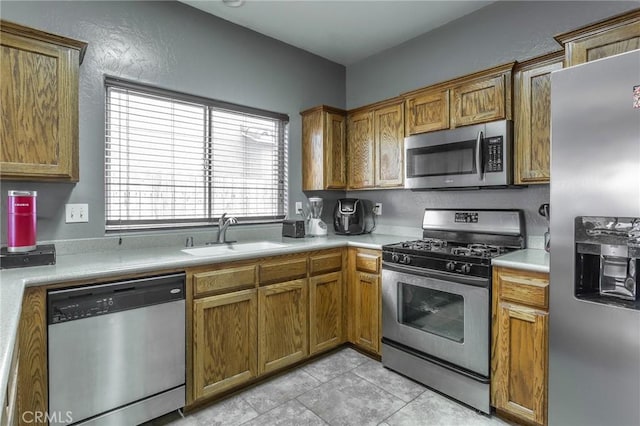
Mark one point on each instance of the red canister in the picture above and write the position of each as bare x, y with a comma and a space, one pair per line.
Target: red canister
21, 221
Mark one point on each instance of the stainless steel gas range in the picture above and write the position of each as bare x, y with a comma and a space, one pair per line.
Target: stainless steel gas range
436, 300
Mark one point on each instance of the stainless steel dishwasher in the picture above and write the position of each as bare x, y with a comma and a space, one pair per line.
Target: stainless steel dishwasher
116, 351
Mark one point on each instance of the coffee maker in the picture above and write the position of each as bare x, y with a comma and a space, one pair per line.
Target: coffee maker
316, 226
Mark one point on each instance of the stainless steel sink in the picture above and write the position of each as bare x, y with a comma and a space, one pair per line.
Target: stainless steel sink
233, 248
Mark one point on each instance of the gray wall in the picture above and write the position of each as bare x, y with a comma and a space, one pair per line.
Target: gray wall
499, 33
496, 34
175, 46
171, 45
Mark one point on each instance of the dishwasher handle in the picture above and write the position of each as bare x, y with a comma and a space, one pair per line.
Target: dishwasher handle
78, 303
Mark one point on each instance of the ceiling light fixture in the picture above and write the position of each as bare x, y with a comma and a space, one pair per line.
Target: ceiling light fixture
233, 3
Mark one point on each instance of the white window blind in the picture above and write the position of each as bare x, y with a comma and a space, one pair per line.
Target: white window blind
174, 160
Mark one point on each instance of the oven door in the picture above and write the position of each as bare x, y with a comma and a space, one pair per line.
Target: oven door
439, 314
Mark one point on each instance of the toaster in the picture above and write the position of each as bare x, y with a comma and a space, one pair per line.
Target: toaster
293, 228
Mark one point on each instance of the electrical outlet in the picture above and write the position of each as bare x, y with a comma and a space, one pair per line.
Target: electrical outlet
298, 207
377, 209
77, 213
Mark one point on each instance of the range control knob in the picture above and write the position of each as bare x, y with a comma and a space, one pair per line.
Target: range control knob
450, 266
395, 258
405, 260
466, 268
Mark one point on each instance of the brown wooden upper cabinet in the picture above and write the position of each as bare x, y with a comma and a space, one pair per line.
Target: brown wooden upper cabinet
532, 117
471, 99
39, 104
361, 150
427, 111
324, 162
609, 37
376, 145
479, 101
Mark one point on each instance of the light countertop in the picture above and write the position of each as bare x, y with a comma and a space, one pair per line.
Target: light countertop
103, 264
528, 259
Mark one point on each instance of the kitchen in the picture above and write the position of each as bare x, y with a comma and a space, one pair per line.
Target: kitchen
150, 43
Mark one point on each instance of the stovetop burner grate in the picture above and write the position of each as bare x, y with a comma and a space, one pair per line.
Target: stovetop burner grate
432, 245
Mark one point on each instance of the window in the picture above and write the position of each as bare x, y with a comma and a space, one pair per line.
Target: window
176, 160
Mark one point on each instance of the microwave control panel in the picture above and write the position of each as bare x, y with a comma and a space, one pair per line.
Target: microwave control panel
493, 155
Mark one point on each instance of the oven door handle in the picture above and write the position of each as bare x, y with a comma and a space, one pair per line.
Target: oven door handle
439, 275
479, 152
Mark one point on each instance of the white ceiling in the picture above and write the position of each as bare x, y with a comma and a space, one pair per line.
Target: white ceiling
341, 31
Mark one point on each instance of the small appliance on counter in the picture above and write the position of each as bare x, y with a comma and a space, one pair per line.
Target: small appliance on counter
293, 228
22, 249
353, 216
21, 221
316, 226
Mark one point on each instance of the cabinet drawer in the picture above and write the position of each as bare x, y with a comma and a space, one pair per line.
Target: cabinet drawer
224, 280
325, 263
525, 289
283, 270
368, 262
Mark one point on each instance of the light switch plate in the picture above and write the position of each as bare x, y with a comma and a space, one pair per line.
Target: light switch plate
298, 207
77, 213
377, 209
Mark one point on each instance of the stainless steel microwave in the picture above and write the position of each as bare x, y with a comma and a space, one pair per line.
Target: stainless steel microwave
471, 156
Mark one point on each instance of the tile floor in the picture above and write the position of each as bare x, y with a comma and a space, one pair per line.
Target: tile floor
342, 388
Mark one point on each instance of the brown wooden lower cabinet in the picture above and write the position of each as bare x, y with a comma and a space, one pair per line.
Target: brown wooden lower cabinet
282, 325
364, 299
240, 325
366, 311
520, 345
325, 312
225, 336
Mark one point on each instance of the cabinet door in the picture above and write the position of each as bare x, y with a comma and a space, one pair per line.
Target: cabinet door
533, 122
325, 312
335, 152
519, 380
389, 144
282, 326
361, 150
366, 309
39, 106
427, 112
479, 101
607, 43
312, 151
225, 352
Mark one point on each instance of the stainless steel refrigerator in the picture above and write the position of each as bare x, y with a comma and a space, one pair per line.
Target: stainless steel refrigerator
594, 347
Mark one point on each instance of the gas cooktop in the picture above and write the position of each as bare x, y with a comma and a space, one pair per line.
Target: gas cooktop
429, 246
459, 241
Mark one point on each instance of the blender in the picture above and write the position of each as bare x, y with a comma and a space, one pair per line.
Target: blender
316, 226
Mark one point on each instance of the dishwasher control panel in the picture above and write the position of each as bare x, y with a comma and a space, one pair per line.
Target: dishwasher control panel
81, 309
85, 302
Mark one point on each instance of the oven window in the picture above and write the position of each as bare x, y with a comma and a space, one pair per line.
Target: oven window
433, 311
448, 159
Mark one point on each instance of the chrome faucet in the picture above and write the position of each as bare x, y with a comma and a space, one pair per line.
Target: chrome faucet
223, 224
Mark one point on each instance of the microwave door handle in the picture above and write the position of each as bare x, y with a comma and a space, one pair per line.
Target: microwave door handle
479, 161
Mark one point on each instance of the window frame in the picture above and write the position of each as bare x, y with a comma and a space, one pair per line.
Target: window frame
210, 106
